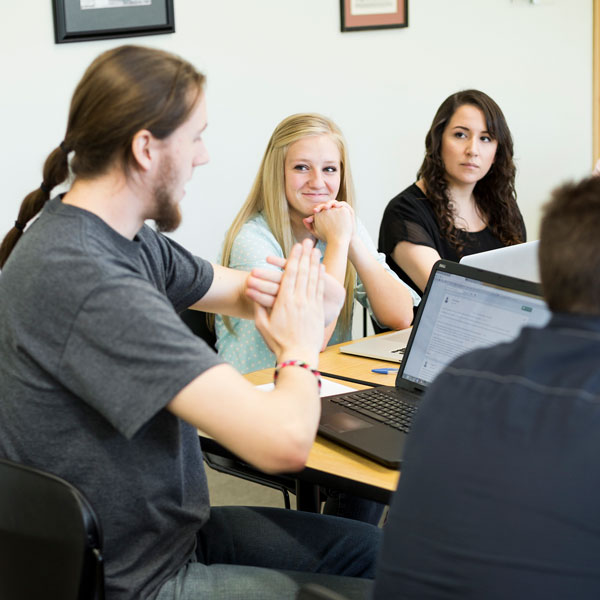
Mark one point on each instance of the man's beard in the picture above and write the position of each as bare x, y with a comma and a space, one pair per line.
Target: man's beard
168, 215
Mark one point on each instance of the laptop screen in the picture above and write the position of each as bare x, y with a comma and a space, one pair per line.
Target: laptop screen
463, 313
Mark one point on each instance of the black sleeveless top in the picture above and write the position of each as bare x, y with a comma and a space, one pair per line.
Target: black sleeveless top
409, 217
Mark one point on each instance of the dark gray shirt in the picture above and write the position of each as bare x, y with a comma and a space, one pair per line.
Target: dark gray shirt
92, 350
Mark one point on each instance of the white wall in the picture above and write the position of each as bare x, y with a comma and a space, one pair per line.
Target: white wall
270, 58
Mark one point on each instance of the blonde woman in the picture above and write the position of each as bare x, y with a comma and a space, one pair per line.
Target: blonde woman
304, 189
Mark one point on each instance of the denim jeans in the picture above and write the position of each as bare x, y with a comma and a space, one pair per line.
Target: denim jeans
342, 504
268, 553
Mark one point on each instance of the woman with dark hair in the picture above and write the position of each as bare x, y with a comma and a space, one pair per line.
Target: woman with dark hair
464, 199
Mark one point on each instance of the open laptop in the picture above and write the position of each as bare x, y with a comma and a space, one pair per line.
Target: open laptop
463, 308
384, 347
520, 260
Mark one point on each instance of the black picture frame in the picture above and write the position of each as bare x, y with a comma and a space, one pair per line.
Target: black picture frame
373, 20
72, 23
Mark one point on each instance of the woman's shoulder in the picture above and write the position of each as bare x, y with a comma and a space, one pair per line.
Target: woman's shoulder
410, 194
412, 197
409, 203
256, 227
256, 222
254, 241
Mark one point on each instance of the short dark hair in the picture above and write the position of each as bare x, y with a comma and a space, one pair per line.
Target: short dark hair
569, 250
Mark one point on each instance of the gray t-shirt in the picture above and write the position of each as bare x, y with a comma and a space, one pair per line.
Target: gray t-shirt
92, 350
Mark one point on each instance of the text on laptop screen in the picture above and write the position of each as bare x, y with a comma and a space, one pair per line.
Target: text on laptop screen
462, 314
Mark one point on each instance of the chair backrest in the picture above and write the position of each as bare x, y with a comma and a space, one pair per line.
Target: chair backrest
196, 320
50, 538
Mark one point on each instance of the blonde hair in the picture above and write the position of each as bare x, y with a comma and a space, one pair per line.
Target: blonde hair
268, 193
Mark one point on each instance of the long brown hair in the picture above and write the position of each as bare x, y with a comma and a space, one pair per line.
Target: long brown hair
123, 91
495, 193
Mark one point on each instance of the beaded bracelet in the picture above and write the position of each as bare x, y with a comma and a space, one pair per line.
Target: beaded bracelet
297, 363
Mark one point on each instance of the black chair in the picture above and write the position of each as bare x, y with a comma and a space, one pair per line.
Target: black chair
50, 538
197, 321
217, 457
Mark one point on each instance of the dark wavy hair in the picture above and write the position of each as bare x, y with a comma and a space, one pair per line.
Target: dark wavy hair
495, 193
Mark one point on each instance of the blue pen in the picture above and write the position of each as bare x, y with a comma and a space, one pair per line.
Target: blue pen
385, 370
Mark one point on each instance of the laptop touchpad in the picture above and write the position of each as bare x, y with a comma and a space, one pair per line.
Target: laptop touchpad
341, 422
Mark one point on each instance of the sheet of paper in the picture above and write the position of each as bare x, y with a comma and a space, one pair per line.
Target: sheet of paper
328, 387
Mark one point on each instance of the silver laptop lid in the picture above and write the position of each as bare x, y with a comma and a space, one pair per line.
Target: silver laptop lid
519, 261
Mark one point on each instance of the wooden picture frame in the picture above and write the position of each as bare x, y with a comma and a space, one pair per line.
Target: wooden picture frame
358, 15
83, 20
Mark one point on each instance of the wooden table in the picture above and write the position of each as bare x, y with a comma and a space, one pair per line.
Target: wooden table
329, 464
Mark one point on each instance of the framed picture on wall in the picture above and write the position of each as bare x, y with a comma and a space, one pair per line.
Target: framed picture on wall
357, 15
82, 20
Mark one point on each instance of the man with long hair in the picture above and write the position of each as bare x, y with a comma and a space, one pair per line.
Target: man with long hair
102, 383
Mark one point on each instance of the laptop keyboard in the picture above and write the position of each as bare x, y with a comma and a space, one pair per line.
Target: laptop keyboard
385, 408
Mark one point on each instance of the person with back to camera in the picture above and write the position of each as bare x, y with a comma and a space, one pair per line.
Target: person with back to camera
500, 483
304, 191
104, 385
464, 199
